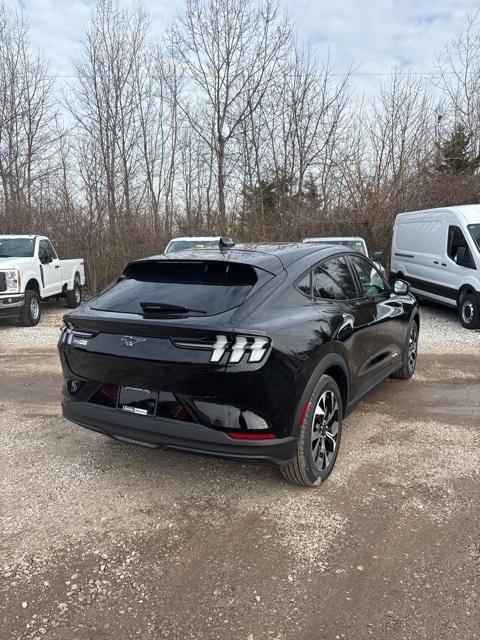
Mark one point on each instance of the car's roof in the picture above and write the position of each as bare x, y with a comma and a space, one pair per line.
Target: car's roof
270, 257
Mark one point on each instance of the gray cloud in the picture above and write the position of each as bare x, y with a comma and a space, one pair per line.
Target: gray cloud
373, 35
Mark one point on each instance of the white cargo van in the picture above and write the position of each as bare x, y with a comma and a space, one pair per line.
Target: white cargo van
438, 252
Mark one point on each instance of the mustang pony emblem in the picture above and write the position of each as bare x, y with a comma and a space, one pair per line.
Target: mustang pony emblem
129, 341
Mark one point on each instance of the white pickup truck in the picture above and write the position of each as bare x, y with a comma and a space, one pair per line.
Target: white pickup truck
30, 272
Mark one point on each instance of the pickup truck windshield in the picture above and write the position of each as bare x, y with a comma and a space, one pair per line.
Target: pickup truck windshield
475, 233
16, 247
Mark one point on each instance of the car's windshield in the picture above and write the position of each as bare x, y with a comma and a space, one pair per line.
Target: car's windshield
16, 247
475, 233
187, 245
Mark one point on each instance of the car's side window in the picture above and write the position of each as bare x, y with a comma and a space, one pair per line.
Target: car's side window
332, 280
46, 251
456, 242
51, 250
305, 284
43, 250
371, 281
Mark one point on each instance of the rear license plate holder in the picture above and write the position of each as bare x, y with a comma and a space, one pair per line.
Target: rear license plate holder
140, 402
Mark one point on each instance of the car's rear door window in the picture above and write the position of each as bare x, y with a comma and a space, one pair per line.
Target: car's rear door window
180, 288
333, 280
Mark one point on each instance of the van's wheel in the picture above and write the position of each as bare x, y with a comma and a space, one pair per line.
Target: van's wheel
409, 365
31, 311
74, 296
470, 311
319, 439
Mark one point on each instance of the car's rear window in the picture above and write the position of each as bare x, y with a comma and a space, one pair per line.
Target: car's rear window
179, 288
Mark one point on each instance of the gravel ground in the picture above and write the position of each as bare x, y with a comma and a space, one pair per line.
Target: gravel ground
102, 540
441, 331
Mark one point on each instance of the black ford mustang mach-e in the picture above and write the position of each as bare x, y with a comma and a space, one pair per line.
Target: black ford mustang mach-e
254, 351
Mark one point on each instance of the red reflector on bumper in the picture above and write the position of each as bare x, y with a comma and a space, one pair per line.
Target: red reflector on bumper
251, 436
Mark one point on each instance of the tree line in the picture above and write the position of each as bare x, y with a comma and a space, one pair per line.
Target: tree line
226, 126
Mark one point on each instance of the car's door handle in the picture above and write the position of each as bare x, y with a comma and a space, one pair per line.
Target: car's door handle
444, 264
436, 262
57, 266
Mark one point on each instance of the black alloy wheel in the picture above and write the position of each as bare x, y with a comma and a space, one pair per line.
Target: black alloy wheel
319, 436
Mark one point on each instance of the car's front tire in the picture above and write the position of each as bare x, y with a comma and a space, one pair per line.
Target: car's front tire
470, 311
319, 438
31, 311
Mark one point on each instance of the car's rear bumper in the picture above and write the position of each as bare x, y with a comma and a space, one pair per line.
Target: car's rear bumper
11, 304
172, 434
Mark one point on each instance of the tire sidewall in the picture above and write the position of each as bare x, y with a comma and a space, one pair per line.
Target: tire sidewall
76, 288
72, 301
413, 324
325, 383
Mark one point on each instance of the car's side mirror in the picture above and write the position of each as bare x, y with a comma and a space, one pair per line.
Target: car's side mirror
377, 256
401, 288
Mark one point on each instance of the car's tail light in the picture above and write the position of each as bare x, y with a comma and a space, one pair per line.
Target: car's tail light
71, 336
236, 347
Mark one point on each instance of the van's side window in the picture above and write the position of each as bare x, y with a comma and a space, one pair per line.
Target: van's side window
457, 249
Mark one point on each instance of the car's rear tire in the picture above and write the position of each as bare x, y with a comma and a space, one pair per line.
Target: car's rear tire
470, 311
31, 312
409, 364
319, 438
74, 296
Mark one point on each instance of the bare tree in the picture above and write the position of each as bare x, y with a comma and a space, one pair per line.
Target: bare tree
458, 76
231, 51
26, 115
390, 146
105, 101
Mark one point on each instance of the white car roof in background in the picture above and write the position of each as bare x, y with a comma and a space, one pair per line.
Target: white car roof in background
469, 212
195, 238
329, 238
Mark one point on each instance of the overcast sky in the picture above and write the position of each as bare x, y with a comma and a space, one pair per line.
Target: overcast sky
375, 35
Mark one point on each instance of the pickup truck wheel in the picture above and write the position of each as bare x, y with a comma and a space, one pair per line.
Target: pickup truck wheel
319, 438
74, 296
31, 311
470, 311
